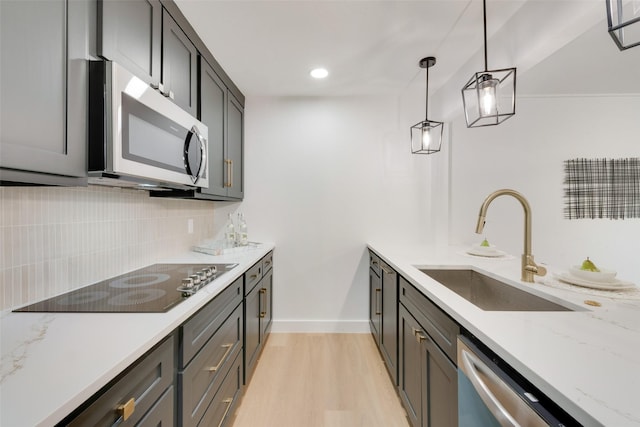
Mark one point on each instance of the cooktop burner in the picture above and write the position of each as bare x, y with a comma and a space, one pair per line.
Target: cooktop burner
153, 289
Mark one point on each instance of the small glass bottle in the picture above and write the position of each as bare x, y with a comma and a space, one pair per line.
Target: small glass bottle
242, 230
230, 233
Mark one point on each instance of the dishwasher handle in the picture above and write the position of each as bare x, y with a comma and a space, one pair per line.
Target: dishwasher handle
472, 366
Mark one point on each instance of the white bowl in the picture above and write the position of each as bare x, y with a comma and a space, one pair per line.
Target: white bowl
603, 275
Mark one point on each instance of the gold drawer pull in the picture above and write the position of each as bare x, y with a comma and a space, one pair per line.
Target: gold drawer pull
263, 291
229, 347
419, 335
127, 409
228, 401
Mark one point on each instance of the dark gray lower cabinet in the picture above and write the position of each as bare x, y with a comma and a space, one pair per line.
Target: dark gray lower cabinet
225, 402
211, 343
383, 311
389, 320
143, 396
258, 312
427, 378
375, 296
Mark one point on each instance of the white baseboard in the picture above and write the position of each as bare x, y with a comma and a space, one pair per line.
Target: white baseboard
326, 326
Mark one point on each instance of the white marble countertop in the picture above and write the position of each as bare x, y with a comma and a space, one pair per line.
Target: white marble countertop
588, 361
52, 362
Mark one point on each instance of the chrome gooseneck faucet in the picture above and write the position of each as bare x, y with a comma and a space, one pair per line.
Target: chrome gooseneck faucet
529, 267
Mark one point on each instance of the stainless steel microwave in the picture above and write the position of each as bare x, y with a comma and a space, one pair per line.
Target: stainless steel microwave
140, 138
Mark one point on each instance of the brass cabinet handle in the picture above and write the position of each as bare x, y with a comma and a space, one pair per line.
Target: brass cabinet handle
228, 401
263, 291
231, 174
126, 410
228, 181
378, 311
224, 356
419, 335
385, 270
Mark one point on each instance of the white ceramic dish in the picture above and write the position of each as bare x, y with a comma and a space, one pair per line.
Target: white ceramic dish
604, 275
614, 285
485, 251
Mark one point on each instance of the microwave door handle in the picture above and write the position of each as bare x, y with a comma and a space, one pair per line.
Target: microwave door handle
203, 154
472, 366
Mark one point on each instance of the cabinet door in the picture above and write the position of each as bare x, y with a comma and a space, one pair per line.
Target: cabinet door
38, 109
129, 33
266, 304
411, 376
251, 331
389, 326
213, 102
442, 386
235, 148
375, 304
179, 66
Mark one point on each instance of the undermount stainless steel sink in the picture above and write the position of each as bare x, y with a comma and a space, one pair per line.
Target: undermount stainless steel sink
488, 293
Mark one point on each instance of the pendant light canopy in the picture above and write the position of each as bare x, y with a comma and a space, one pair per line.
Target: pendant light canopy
426, 136
489, 97
623, 18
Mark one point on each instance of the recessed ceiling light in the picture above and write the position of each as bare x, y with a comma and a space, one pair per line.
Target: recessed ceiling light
319, 73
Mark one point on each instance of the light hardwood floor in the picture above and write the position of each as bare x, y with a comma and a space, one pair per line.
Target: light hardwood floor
320, 380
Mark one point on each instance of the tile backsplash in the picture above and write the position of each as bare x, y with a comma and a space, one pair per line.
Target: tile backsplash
56, 239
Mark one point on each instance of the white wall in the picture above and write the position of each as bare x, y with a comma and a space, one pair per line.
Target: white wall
323, 177
526, 153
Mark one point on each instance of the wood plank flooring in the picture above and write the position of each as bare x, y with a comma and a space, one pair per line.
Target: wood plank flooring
320, 380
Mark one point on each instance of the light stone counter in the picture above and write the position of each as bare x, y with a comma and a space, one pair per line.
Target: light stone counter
588, 361
52, 362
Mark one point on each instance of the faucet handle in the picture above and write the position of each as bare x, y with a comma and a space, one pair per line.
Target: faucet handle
541, 271
534, 268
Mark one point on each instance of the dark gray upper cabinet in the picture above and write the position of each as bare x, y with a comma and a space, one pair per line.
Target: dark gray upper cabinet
213, 106
43, 107
235, 148
130, 33
179, 66
224, 116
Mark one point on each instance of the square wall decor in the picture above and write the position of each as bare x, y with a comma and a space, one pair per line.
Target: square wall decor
602, 188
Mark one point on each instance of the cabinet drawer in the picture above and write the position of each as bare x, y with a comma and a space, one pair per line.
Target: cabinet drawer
145, 382
267, 263
196, 331
252, 277
224, 404
436, 322
163, 412
202, 378
374, 262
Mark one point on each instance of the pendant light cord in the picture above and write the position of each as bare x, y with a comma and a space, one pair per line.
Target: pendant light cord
484, 16
426, 102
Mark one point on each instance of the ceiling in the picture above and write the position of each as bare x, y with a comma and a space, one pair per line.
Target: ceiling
373, 47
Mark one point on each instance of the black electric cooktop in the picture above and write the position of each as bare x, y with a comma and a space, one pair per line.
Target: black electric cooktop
152, 289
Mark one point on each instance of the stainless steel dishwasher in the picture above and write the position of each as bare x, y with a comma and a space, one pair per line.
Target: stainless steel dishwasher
491, 394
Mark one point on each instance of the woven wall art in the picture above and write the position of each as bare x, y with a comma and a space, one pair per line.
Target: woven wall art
602, 188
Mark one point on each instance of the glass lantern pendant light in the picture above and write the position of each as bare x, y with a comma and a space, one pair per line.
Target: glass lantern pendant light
623, 18
489, 97
426, 136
